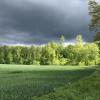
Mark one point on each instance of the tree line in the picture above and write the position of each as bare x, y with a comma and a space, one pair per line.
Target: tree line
52, 54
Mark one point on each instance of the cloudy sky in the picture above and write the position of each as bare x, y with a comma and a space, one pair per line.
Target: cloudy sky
40, 21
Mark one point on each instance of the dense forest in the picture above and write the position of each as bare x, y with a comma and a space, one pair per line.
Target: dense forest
52, 54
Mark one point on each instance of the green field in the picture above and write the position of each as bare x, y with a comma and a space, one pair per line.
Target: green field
87, 88
26, 82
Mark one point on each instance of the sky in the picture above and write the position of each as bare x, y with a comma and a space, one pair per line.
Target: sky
40, 21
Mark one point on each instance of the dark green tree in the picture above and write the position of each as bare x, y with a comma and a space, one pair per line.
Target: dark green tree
2, 60
94, 11
97, 39
9, 56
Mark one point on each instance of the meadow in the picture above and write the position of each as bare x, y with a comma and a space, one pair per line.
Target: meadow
26, 82
87, 88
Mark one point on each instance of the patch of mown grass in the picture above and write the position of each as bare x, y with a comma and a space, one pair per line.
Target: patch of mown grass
87, 88
22, 82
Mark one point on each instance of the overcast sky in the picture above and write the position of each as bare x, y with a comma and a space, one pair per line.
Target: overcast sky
41, 21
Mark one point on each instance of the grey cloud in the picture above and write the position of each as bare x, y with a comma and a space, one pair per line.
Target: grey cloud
40, 21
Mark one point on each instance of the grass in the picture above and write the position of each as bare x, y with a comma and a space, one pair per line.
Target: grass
26, 82
87, 88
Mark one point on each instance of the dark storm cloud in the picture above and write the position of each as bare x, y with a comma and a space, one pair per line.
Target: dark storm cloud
40, 21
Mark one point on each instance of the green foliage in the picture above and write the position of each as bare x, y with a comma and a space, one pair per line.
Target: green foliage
49, 55
79, 40
52, 54
62, 39
9, 56
97, 39
16, 52
2, 60
94, 10
90, 53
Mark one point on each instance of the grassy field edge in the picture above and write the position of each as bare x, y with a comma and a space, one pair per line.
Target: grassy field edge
87, 88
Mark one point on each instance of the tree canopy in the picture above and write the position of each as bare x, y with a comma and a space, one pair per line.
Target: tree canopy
94, 10
51, 54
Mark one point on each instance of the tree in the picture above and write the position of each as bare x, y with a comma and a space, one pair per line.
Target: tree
16, 52
25, 55
49, 55
90, 53
37, 55
9, 56
52, 54
69, 54
94, 11
33, 54
79, 40
97, 39
2, 60
62, 39
78, 49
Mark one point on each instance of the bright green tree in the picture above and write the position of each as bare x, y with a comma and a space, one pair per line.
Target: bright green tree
49, 55
79, 40
62, 39
16, 52
90, 53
